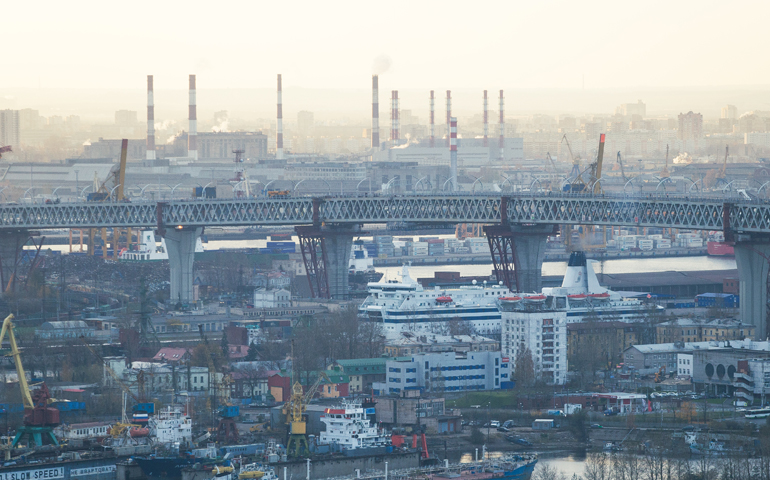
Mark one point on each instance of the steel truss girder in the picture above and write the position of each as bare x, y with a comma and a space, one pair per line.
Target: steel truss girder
313, 248
676, 212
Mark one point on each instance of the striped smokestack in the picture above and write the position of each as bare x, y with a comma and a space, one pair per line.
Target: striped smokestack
502, 128
453, 151
192, 135
375, 112
486, 120
432, 120
150, 120
448, 113
279, 123
394, 116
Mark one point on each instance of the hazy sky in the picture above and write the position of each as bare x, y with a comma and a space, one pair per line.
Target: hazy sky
431, 45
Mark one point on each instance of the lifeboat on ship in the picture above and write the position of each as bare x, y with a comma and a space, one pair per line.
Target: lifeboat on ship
509, 300
577, 296
600, 296
444, 299
139, 432
534, 298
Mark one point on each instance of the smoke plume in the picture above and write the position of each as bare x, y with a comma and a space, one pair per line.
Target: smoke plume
381, 64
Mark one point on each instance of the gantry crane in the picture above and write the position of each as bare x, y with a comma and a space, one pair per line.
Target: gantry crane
111, 189
575, 174
294, 410
39, 418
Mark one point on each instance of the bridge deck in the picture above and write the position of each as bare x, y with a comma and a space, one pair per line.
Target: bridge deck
650, 211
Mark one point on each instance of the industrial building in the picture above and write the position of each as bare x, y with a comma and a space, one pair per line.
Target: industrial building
703, 330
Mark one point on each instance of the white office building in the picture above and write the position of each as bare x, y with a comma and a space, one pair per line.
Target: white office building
446, 372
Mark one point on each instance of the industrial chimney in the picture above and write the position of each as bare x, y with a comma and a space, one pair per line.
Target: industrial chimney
150, 155
375, 112
453, 151
432, 120
394, 116
448, 113
192, 135
279, 123
486, 120
502, 129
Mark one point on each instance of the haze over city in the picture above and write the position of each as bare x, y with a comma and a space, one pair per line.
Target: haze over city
344, 240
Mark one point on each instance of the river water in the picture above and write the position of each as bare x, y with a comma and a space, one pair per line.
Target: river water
636, 265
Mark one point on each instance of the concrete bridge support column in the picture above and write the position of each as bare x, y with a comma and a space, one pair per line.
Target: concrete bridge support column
11, 248
518, 252
180, 244
753, 259
326, 254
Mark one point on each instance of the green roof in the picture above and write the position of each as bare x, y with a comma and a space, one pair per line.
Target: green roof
366, 365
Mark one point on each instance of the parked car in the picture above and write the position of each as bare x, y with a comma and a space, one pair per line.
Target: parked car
494, 424
596, 425
518, 440
508, 423
503, 429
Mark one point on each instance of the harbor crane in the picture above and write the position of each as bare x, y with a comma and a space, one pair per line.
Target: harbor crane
722, 173
39, 418
294, 410
622, 170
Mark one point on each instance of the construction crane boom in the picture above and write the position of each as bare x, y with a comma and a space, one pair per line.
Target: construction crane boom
622, 170
598, 170
26, 396
664, 173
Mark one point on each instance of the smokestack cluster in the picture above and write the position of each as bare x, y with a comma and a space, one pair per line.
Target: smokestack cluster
394, 116
502, 128
453, 151
375, 112
432, 121
150, 120
279, 123
486, 120
448, 113
192, 136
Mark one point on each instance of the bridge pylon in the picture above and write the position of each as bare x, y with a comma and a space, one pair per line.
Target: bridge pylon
517, 253
326, 255
180, 243
752, 255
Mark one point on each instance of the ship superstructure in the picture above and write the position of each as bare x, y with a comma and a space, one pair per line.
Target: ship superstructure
405, 306
348, 428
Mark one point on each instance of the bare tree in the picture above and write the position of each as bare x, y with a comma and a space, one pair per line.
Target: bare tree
524, 367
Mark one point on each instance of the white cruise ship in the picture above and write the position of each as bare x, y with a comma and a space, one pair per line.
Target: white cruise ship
539, 322
149, 250
406, 306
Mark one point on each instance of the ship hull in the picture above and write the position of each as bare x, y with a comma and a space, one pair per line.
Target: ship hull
524, 472
720, 249
168, 467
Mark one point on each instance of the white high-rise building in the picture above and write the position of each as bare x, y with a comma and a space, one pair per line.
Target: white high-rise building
9, 128
545, 334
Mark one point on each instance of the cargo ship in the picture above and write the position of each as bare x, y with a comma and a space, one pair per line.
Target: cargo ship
720, 249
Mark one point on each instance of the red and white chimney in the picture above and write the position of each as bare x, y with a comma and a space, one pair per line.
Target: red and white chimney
192, 135
150, 155
432, 120
486, 120
448, 113
375, 112
394, 126
279, 123
502, 127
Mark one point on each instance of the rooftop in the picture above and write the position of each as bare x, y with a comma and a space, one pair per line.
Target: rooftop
686, 347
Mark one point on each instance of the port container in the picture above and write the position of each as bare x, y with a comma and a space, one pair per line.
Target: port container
645, 244
723, 300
